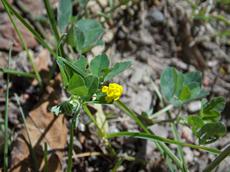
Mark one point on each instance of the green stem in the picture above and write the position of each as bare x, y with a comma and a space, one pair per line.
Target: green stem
222, 18
24, 45
179, 147
53, 25
87, 111
166, 109
70, 146
129, 112
28, 26
160, 145
51, 19
117, 165
219, 158
162, 139
17, 73
101, 133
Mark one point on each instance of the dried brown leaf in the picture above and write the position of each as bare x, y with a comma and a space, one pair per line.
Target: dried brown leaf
41, 127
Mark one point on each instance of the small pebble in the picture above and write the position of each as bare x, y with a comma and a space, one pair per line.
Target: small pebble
194, 106
155, 16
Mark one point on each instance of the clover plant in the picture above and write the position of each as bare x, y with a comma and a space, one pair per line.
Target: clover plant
91, 82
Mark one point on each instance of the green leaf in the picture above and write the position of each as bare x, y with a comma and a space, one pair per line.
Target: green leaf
167, 82
81, 63
185, 93
65, 107
211, 110
77, 86
65, 72
73, 67
206, 126
83, 3
71, 36
92, 84
86, 34
68, 107
98, 64
192, 77
217, 104
179, 88
210, 132
117, 69
64, 13
79, 40
195, 122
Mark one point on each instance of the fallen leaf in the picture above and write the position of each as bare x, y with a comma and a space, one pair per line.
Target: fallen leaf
43, 60
41, 127
8, 35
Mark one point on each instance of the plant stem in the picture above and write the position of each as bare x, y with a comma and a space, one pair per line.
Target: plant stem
70, 146
101, 133
24, 45
87, 111
53, 24
166, 109
28, 26
17, 73
143, 135
179, 147
219, 158
51, 19
160, 145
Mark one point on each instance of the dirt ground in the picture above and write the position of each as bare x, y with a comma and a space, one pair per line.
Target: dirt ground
153, 34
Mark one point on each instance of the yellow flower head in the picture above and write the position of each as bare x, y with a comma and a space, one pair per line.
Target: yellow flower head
113, 92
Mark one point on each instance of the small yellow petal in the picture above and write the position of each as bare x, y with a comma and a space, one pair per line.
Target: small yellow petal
113, 92
104, 89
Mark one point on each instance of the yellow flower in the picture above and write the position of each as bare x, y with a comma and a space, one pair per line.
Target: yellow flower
113, 92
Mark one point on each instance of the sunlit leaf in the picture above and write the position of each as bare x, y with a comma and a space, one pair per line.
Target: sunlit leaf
211, 110
64, 13
77, 86
210, 132
117, 69
98, 64
179, 88
92, 84
85, 34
